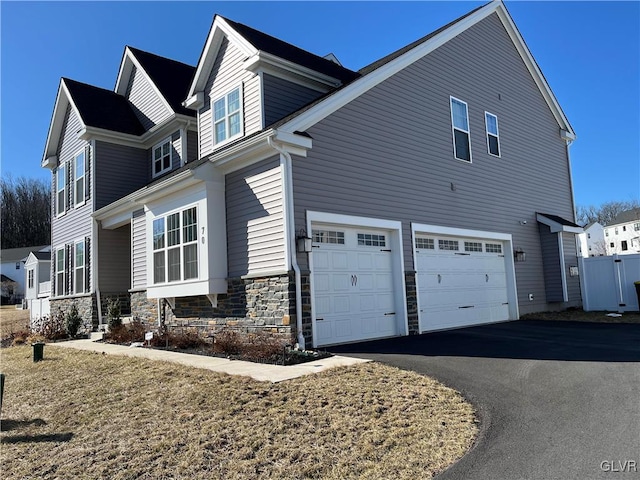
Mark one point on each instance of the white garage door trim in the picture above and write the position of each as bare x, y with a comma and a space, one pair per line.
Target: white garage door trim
512, 292
395, 243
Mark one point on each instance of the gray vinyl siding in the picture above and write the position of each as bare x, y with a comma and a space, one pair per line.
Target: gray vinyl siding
147, 104
228, 73
389, 153
192, 146
282, 97
76, 222
551, 264
114, 259
571, 260
120, 170
138, 250
255, 226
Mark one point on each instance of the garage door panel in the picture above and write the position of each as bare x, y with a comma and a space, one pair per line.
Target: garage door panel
358, 281
460, 288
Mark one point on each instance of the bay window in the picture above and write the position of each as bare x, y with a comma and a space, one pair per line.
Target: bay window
175, 247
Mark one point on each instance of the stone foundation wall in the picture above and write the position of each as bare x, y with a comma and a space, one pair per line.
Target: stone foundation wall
264, 304
125, 303
307, 324
412, 302
86, 305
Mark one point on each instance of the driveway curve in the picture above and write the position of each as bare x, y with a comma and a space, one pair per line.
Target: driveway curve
556, 400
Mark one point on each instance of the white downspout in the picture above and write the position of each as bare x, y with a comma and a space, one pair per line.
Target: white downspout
290, 232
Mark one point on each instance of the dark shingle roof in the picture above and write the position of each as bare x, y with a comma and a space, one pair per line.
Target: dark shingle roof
629, 216
285, 50
560, 220
103, 108
42, 255
20, 253
172, 78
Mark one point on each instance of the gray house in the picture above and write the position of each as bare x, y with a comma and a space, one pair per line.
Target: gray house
272, 189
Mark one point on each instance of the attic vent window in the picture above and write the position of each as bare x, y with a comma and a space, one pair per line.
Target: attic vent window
227, 116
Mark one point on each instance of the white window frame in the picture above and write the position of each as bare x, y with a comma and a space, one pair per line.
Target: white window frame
60, 285
61, 171
496, 135
153, 157
79, 271
454, 128
180, 246
77, 180
218, 142
30, 277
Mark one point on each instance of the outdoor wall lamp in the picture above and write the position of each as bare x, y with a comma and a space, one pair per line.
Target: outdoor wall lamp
519, 255
303, 242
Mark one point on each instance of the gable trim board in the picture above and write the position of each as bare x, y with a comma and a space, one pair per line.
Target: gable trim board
394, 229
325, 107
512, 312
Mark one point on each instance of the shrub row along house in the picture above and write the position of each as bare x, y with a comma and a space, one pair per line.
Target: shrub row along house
272, 189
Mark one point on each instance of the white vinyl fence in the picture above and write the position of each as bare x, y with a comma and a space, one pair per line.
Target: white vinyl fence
607, 282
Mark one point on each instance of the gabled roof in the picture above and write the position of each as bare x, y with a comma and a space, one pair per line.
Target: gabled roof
171, 78
628, 216
287, 51
384, 68
259, 47
18, 254
103, 108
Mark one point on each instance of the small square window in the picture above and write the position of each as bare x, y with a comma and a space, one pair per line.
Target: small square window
612, 244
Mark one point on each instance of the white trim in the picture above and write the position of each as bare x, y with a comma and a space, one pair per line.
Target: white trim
335, 101
454, 128
161, 144
563, 269
225, 96
64, 166
395, 244
510, 272
75, 267
497, 134
84, 178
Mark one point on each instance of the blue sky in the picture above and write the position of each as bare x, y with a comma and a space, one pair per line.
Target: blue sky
589, 53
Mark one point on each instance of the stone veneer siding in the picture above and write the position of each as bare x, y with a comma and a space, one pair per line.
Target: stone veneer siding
86, 305
412, 302
251, 305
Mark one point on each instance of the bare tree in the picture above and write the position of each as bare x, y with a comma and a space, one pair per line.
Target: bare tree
25, 206
604, 213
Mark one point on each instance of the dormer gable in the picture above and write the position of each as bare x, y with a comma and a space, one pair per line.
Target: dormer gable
155, 86
264, 53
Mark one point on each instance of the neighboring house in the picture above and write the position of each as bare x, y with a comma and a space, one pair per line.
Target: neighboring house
428, 190
12, 267
37, 267
591, 242
622, 234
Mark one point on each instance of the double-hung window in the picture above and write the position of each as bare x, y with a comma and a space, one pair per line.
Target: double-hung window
460, 127
60, 272
175, 247
61, 189
493, 138
79, 184
227, 116
78, 267
162, 157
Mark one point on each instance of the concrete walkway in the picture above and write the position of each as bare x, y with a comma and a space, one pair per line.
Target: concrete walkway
257, 371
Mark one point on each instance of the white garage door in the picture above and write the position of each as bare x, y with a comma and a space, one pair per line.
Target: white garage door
461, 281
352, 285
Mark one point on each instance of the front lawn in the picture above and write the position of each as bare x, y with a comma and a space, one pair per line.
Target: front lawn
86, 415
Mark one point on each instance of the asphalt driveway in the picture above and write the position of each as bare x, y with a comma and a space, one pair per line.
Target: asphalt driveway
557, 400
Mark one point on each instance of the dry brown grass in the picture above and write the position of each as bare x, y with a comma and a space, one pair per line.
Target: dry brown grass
578, 315
12, 320
86, 415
